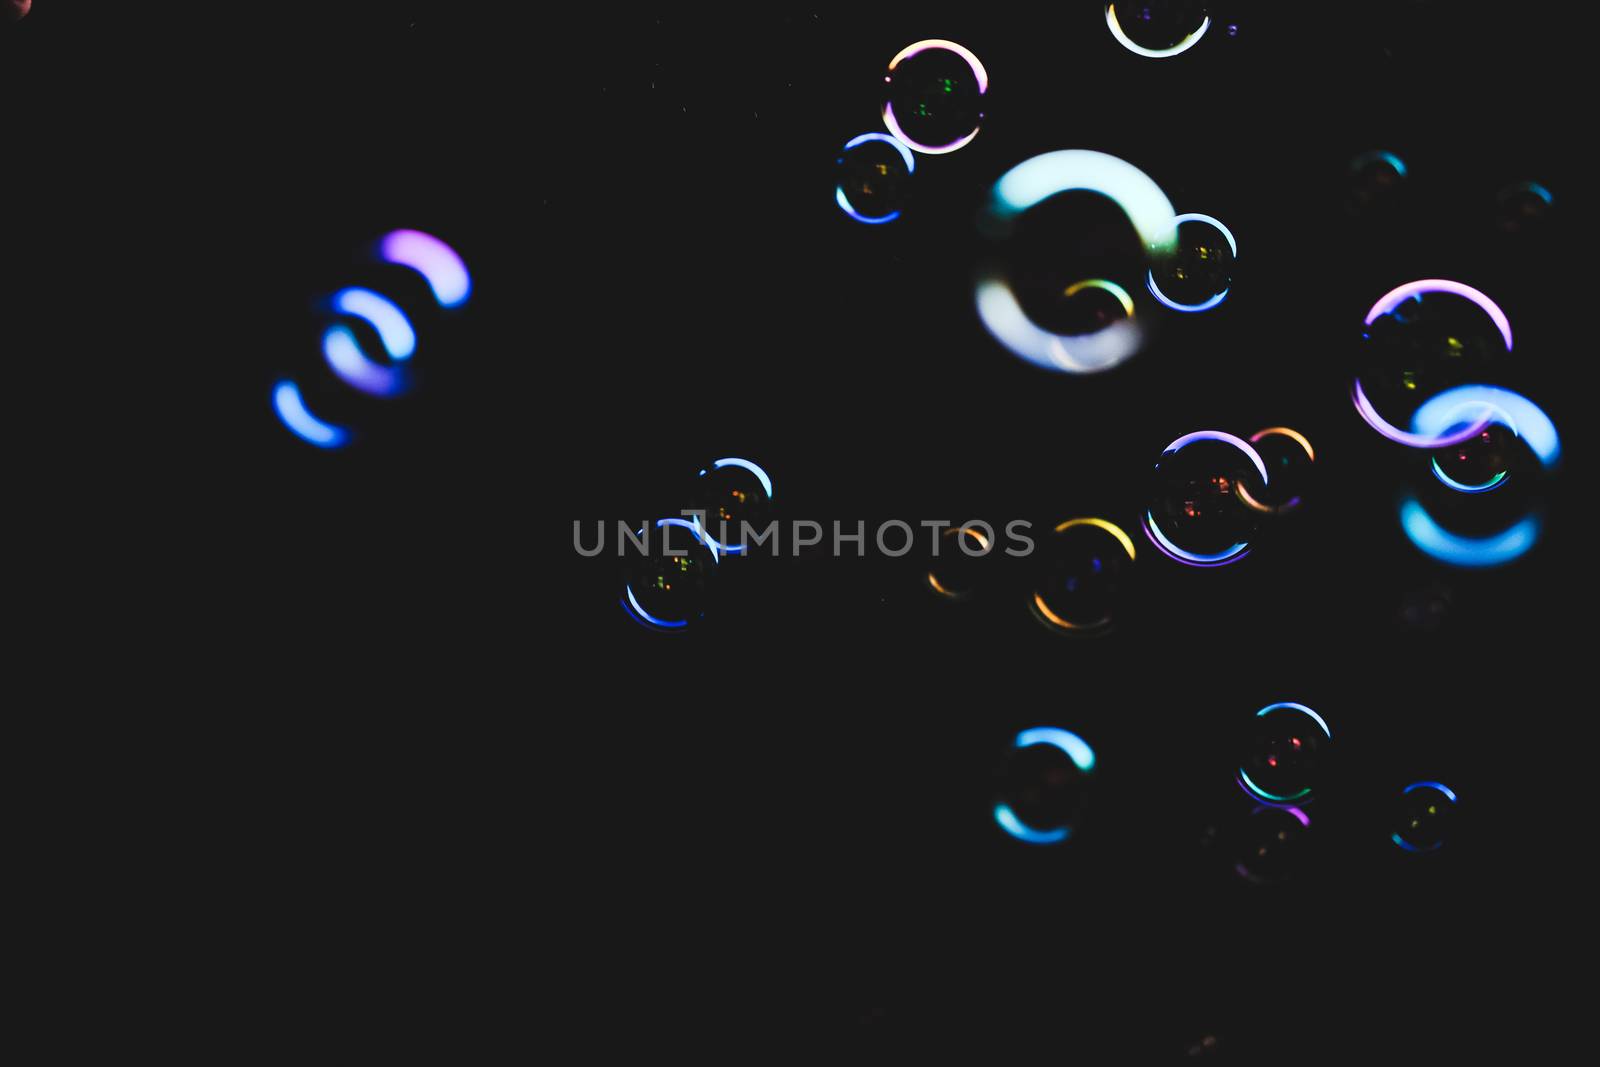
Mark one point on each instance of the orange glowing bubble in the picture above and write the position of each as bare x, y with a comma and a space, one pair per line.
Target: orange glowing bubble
1293, 435
1109, 527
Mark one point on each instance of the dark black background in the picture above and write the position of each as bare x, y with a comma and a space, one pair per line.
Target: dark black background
452, 792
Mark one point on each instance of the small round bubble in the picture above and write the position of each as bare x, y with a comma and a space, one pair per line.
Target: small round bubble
1199, 515
1080, 585
1198, 276
872, 174
933, 96
1044, 785
1284, 749
666, 585
1290, 460
1424, 815
1269, 844
734, 496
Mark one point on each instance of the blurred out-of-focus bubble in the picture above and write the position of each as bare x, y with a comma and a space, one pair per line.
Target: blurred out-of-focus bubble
1523, 208
1290, 461
1081, 577
1269, 844
1198, 515
1158, 29
1198, 276
1424, 815
729, 495
369, 340
1425, 610
1421, 339
1484, 506
15, 9
933, 96
1373, 181
1478, 407
1073, 234
964, 563
872, 172
1285, 747
1466, 539
1044, 785
666, 587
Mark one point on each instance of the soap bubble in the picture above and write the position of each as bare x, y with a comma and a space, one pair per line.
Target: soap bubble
1283, 752
1522, 207
1199, 275
1269, 845
1454, 545
1158, 29
1199, 516
1081, 579
1372, 183
1476, 465
666, 585
873, 170
933, 96
1426, 812
1072, 231
728, 495
1421, 339
1044, 785
1289, 458
961, 566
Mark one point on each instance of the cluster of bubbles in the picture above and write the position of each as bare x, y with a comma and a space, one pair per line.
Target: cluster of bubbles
1375, 186
361, 321
1073, 234
1214, 495
1076, 584
1215, 492
670, 579
1046, 780
1482, 451
933, 98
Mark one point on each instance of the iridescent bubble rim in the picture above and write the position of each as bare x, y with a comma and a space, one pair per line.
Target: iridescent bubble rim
436, 261
1029, 184
350, 365
1392, 299
1516, 412
766, 486
1081, 755
844, 201
1042, 611
979, 74
1205, 305
1272, 799
1378, 156
1035, 180
1165, 544
1457, 550
1414, 786
630, 603
1154, 53
291, 410
1462, 431
1456, 433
